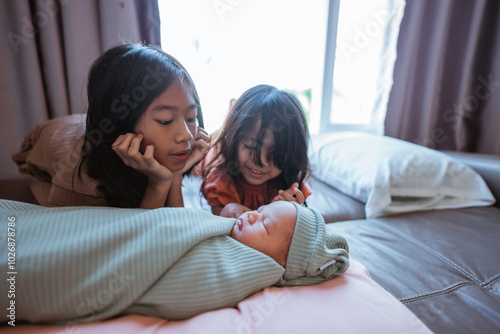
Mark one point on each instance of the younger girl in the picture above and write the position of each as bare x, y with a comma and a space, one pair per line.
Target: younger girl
142, 129
259, 156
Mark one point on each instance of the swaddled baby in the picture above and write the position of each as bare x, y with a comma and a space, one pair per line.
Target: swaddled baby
82, 264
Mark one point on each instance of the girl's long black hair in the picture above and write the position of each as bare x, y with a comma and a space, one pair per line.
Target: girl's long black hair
278, 111
122, 83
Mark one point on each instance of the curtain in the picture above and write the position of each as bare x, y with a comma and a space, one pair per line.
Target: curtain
47, 49
446, 90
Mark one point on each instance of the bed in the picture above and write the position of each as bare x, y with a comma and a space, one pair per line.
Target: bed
423, 229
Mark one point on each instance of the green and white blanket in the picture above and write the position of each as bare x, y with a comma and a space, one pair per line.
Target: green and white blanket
79, 264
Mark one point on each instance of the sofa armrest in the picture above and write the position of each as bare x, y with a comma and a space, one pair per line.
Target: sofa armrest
488, 166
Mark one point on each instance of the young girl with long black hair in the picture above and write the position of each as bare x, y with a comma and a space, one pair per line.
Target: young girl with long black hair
144, 127
260, 155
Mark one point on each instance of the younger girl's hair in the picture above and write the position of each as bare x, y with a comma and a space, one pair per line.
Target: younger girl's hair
278, 111
122, 83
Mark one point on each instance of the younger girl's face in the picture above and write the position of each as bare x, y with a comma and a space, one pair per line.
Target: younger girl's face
169, 123
252, 173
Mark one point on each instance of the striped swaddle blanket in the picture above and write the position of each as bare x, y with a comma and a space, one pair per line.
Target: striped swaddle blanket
79, 264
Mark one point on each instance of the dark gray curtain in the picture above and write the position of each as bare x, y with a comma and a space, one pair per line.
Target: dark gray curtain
446, 91
47, 49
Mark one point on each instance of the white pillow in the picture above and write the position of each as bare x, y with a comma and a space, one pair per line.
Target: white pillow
333, 205
393, 176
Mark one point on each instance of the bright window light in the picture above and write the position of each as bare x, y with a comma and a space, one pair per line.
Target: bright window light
365, 53
229, 46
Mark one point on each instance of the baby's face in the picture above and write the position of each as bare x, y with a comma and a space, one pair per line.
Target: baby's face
268, 229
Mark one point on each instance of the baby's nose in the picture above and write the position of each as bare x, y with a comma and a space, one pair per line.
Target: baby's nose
252, 217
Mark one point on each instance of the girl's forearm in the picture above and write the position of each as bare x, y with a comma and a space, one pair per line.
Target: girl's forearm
156, 195
174, 197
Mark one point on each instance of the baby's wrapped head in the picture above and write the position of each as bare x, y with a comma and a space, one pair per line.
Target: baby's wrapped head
314, 254
296, 238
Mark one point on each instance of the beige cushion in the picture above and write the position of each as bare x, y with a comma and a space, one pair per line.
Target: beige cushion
49, 156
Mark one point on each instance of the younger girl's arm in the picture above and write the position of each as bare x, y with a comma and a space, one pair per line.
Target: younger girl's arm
232, 210
216, 210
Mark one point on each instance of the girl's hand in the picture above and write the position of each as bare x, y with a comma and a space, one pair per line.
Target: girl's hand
200, 148
291, 195
127, 147
233, 210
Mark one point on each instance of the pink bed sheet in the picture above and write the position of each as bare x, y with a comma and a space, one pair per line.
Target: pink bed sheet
350, 303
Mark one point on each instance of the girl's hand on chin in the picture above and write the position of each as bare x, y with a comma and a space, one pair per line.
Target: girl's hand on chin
127, 147
199, 149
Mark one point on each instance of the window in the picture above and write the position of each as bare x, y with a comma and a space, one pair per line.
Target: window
229, 46
362, 47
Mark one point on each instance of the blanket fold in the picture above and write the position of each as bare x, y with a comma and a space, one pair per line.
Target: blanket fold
81, 264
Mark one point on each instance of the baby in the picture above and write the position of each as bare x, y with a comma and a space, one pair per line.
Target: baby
295, 237
170, 262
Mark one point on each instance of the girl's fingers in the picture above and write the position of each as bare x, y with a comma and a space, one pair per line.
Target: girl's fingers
119, 146
201, 145
124, 143
202, 139
278, 198
127, 148
149, 154
291, 190
299, 196
291, 195
118, 141
135, 145
203, 134
287, 197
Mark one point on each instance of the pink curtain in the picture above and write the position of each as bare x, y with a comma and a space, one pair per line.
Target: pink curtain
446, 91
47, 49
